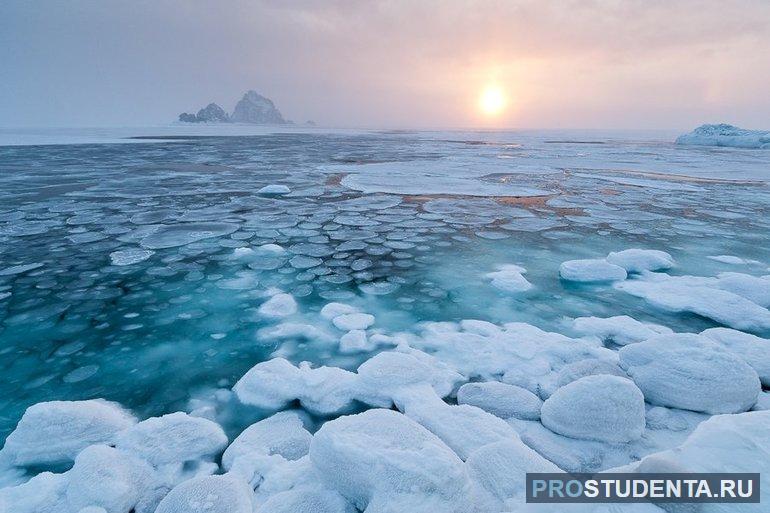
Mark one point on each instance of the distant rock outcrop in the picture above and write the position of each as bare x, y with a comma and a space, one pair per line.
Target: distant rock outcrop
253, 108
213, 113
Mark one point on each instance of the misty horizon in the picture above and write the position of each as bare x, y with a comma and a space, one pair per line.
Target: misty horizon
419, 65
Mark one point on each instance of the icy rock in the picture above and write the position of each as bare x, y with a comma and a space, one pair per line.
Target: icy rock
726, 135
44, 493
280, 305
603, 408
383, 462
754, 350
621, 329
509, 278
591, 270
54, 432
638, 260
209, 494
387, 375
499, 471
332, 310
130, 256
684, 371
702, 296
173, 438
582, 368
283, 434
500, 399
273, 384
111, 479
463, 428
274, 189
353, 321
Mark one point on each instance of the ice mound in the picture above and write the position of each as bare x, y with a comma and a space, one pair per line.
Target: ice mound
725, 135
498, 472
728, 299
621, 329
462, 427
637, 260
754, 350
209, 494
591, 270
684, 371
500, 399
274, 189
387, 376
44, 493
604, 408
173, 438
52, 433
113, 480
509, 278
280, 305
522, 354
582, 368
723, 443
307, 501
273, 384
283, 434
382, 461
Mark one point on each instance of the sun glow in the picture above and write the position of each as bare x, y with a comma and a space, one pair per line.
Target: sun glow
492, 100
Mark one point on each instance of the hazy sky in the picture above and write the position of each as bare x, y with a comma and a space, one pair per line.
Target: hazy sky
399, 63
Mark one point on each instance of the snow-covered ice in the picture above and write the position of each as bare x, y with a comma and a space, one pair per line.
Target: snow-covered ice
685, 371
591, 270
726, 135
330, 321
602, 407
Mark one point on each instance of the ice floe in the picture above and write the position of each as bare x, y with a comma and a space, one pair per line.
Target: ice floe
130, 256
604, 408
685, 371
509, 278
381, 460
501, 399
591, 270
55, 432
728, 299
725, 135
279, 305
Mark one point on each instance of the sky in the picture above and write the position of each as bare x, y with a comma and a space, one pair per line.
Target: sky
668, 64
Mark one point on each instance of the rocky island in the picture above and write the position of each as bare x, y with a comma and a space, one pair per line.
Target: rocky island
253, 108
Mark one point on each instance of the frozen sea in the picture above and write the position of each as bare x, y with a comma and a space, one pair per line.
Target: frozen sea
148, 267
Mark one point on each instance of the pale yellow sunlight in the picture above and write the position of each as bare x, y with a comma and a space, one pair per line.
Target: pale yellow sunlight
492, 100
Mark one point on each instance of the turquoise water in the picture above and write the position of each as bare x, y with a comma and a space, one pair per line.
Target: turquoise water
153, 333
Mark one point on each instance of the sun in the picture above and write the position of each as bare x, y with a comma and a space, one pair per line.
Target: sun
492, 100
